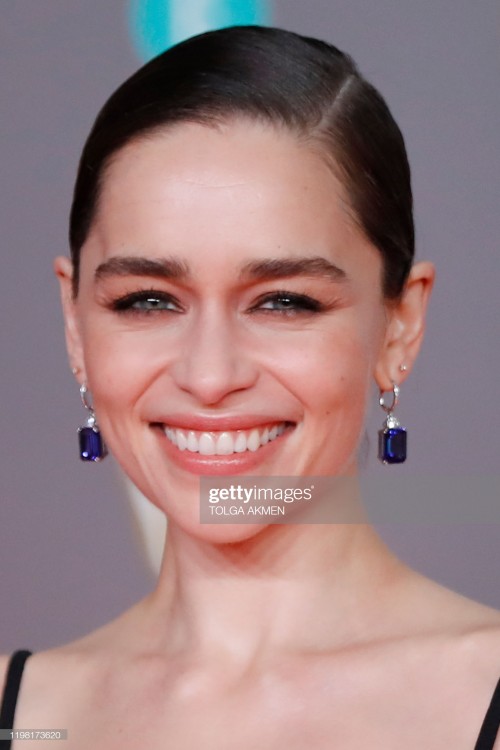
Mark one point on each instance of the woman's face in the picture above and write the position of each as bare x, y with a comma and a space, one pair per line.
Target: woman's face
226, 296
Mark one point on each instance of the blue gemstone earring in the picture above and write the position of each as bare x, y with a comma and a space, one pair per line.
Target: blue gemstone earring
392, 438
92, 446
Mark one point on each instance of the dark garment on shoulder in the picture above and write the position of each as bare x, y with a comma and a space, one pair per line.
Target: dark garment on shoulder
485, 741
10, 693
491, 723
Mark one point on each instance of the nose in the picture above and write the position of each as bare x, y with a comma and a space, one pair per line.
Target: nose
214, 360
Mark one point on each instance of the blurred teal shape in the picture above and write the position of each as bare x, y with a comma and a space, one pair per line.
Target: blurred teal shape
155, 25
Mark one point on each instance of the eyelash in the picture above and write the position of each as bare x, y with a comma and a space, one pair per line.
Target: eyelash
300, 303
126, 304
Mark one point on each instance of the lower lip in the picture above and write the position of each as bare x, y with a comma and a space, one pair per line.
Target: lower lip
235, 463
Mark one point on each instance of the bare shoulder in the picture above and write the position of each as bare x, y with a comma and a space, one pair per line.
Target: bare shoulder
439, 607
58, 680
463, 635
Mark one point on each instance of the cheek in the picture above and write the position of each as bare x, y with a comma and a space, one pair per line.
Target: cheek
118, 367
334, 367
336, 386
344, 385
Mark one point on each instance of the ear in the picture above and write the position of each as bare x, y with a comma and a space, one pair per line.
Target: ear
405, 328
63, 269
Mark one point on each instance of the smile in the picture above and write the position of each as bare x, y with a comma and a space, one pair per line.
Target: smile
223, 443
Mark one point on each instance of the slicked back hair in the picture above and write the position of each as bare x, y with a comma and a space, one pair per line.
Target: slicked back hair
298, 83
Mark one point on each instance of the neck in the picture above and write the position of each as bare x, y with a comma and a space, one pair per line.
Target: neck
289, 588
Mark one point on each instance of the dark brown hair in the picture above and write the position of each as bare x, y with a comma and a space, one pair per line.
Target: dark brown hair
276, 76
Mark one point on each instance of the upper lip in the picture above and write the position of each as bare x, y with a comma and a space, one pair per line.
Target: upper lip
219, 424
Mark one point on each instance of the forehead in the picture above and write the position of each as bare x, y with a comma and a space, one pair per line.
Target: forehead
242, 187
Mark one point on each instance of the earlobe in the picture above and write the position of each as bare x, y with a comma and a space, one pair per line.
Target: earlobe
63, 269
405, 328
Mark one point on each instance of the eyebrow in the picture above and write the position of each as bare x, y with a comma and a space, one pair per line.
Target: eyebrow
164, 268
258, 270
274, 268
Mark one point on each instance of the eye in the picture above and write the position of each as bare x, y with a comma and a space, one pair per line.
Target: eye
289, 303
148, 301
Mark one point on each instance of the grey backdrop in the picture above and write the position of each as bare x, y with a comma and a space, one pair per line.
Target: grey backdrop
69, 558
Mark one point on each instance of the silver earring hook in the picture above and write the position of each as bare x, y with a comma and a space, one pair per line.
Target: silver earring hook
84, 395
395, 399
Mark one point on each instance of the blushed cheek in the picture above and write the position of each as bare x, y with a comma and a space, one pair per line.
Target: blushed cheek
117, 372
344, 357
340, 389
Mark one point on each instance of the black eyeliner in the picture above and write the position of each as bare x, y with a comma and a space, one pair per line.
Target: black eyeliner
301, 301
124, 303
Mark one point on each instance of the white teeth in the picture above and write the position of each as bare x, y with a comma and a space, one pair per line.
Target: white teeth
223, 443
206, 444
192, 442
273, 432
240, 444
253, 441
181, 440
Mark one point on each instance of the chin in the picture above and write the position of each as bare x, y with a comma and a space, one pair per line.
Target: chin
221, 533
183, 513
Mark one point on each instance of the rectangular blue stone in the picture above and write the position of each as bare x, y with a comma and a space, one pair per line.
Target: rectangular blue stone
91, 444
392, 445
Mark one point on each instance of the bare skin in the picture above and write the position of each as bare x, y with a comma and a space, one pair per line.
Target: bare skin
255, 636
416, 668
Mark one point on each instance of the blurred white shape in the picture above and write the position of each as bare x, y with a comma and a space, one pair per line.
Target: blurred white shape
188, 19
151, 525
